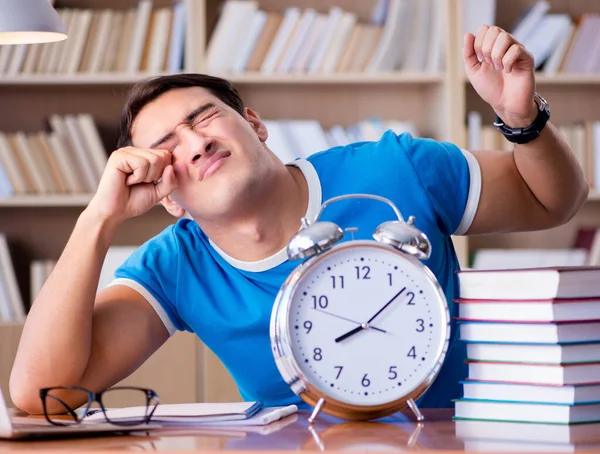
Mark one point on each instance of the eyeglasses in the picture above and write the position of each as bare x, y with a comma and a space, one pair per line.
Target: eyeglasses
138, 397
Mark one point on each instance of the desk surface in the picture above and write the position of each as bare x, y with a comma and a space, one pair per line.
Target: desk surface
397, 433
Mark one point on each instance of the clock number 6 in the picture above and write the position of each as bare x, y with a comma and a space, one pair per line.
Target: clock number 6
365, 381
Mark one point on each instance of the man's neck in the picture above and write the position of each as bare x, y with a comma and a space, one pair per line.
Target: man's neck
268, 227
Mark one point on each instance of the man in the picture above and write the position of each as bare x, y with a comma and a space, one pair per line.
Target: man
189, 142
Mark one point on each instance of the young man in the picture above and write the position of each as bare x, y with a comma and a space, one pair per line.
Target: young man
189, 142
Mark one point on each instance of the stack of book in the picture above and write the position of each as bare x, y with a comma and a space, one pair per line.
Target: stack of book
533, 349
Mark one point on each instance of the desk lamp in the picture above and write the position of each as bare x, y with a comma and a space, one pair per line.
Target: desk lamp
29, 21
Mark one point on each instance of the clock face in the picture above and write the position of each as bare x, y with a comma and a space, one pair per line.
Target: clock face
367, 325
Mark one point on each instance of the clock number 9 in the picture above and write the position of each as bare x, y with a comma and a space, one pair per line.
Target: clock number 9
308, 326
321, 302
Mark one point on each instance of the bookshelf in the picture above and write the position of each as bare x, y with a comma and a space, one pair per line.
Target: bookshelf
38, 226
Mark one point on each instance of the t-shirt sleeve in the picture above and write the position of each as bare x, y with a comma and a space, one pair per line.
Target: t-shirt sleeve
152, 271
451, 178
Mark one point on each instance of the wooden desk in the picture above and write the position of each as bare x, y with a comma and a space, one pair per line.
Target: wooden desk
398, 433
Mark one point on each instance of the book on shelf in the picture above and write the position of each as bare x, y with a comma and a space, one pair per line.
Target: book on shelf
145, 38
535, 373
533, 412
307, 40
532, 283
12, 309
556, 435
68, 159
534, 353
517, 392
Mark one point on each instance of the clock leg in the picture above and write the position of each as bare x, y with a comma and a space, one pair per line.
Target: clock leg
317, 410
413, 406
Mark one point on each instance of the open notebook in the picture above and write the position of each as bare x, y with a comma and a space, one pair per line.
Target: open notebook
229, 413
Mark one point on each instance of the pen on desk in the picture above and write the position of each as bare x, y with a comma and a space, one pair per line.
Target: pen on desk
281, 413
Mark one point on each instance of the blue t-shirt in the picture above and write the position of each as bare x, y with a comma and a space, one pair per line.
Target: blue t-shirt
196, 287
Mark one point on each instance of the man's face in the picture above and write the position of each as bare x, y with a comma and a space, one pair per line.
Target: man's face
217, 153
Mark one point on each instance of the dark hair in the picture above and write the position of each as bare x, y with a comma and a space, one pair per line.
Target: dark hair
148, 90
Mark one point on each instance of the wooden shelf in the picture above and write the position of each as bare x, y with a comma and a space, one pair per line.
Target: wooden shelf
75, 200
253, 78
563, 79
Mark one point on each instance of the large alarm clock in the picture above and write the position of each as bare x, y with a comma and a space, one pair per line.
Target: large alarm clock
360, 329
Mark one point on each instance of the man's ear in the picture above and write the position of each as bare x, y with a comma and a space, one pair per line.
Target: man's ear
258, 126
172, 207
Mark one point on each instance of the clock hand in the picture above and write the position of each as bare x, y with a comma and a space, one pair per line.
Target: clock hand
347, 319
366, 325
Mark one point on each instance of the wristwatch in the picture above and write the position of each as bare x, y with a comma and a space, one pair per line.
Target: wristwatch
531, 132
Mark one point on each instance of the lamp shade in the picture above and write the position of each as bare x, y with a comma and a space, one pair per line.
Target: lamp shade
29, 21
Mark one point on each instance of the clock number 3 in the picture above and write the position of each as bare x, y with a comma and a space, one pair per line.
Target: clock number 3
421, 326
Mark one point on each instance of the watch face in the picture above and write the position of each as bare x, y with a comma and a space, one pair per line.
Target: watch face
367, 324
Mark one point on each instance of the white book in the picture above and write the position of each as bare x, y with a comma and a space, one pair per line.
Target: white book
305, 137
550, 310
6, 315
84, 158
418, 45
392, 46
37, 270
59, 48
75, 52
139, 35
6, 52
68, 159
6, 189
560, 435
546, 37
278, 141
159, 40
291, 16
530, 20
229, 18
9, 280
527, 412
17, 60
238, 26
177, 39
101, 39
11, 167
115, 257
310, 46
338, 43
333, 21
476, 13
516, 392
297, 40
256, 25
30, 161
93, 143
42, 164
64, 159
530, 353
435, 53
533, 333
558, 55
337, 136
